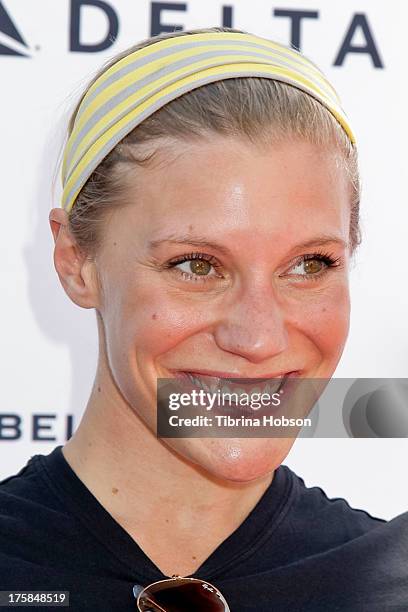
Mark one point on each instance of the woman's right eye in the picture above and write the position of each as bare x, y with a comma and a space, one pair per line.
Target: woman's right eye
196, 267
201, 267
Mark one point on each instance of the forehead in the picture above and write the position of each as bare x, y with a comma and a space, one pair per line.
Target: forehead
230, 187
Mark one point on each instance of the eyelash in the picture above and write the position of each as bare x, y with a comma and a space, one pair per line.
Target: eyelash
187, 257
327, 258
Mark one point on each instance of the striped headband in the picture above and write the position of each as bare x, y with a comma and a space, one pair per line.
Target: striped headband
137, 85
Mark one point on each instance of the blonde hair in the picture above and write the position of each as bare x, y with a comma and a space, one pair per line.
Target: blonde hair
255, 108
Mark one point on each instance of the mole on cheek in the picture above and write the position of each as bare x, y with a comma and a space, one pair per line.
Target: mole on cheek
154, 316
114, 490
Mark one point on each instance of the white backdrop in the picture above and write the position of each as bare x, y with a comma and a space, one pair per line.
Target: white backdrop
48, 51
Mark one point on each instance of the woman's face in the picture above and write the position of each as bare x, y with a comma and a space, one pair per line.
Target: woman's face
230, 259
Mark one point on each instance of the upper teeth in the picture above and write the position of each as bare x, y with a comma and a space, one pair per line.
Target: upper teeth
213, 387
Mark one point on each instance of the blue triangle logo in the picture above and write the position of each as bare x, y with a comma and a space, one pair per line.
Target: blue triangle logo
8, 27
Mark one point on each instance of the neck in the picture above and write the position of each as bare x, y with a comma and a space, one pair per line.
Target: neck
186, 513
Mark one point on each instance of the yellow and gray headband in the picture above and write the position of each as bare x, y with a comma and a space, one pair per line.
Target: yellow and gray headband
139, 84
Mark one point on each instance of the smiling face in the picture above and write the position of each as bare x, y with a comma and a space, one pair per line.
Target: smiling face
230, 259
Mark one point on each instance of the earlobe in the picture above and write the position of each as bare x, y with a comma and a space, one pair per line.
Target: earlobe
81, 289
76, 274
88, 295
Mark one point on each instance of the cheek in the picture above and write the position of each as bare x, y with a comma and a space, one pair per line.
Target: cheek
325, 320
151, 322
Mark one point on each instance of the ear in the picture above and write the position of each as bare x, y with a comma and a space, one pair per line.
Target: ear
77, 273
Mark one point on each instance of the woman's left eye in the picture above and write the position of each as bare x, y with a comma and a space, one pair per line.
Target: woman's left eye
313, 265
309, 266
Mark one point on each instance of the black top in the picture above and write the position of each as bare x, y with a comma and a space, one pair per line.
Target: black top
297, 551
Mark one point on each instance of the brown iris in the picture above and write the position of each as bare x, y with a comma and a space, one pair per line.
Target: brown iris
200, 266
312, 266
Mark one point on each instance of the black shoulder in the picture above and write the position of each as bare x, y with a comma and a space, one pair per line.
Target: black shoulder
327, 521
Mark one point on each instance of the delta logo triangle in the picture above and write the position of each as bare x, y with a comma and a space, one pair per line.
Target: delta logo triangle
11, 41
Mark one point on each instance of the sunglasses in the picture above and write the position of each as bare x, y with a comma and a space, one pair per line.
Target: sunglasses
177, 594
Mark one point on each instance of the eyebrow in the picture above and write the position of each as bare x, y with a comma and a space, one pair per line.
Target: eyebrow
199, 241
202, 241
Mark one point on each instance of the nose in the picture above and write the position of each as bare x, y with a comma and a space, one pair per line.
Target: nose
253, 326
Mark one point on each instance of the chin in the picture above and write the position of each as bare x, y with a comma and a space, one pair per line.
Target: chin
239, 459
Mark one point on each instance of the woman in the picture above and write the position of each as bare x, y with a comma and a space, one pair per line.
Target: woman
209, 214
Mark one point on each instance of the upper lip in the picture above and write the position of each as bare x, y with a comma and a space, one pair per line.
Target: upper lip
235, 377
